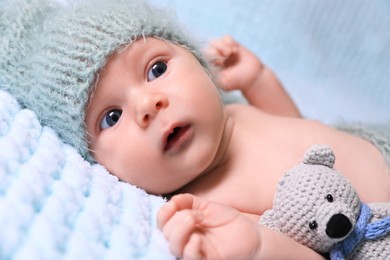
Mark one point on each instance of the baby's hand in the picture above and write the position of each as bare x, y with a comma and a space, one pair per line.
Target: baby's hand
197, 228
235, 66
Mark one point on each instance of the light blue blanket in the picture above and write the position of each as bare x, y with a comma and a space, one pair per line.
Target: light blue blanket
55, 205
333, 57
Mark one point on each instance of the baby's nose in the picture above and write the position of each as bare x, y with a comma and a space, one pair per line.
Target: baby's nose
149, 107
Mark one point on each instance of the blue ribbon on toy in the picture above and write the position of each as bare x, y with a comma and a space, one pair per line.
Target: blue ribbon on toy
363, 230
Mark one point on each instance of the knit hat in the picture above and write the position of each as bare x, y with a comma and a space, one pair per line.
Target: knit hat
50, 55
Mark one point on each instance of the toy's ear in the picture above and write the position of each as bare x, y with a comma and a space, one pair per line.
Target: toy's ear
320, 155
268, 220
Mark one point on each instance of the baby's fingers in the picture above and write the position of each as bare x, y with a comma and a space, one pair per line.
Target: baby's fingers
180, 228
220, 50
193, 249
226, 46
177, 203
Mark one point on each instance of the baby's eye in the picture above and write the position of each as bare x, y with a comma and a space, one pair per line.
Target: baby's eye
157, 70
110, 118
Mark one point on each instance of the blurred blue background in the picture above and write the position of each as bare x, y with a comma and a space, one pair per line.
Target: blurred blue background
332, 56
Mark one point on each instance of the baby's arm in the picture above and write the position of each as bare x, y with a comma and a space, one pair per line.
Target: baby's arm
197, 228
238, 68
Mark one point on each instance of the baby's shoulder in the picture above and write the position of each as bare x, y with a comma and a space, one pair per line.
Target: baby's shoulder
239, 109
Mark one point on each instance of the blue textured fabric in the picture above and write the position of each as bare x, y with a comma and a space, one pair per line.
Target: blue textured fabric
378, 229
55, 205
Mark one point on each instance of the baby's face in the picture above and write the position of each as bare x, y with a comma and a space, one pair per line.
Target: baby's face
155, 118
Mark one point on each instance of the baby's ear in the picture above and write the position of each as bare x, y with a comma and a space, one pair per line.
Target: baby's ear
320, 155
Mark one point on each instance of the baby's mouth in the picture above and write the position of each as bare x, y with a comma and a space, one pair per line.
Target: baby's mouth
175, 136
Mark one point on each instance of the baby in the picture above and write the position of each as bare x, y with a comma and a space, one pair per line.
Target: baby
127, 88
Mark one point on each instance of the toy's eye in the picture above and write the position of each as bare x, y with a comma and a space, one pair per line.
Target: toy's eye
329, 198
157, 70
110, 118
313, 225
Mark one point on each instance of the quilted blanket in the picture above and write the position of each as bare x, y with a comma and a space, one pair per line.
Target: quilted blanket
55, 205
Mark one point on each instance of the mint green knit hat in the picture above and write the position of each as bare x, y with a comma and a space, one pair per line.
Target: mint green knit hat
50, 55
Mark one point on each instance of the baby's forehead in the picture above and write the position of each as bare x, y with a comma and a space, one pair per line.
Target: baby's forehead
136, 50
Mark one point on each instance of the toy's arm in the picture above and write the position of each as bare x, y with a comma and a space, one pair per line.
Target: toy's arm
197, 228
238, 68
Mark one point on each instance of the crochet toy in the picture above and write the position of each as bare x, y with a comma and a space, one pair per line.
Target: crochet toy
315, 205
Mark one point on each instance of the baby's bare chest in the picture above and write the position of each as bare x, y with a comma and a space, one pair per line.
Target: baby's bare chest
262, 151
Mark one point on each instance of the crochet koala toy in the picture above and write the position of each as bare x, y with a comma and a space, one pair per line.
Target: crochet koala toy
315, 205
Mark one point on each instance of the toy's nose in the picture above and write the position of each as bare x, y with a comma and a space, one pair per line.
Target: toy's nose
338, 226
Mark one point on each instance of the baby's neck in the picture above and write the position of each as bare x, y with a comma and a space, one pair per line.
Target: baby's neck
216, 166
221, 156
